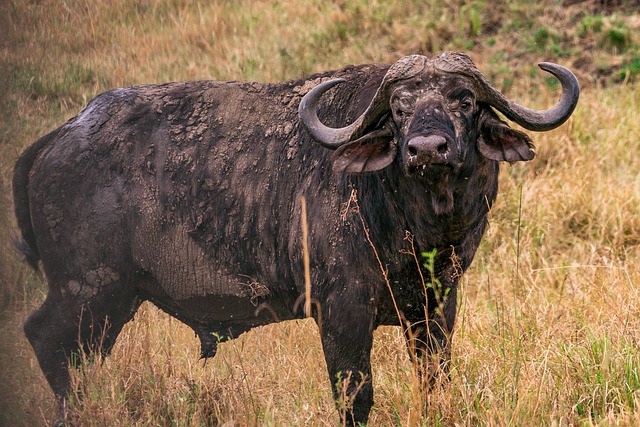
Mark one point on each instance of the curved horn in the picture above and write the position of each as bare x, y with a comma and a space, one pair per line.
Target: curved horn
540, 120
536, 120
308, 111
333, 138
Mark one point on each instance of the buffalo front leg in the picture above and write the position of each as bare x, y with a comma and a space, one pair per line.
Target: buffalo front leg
346, 342
430, 347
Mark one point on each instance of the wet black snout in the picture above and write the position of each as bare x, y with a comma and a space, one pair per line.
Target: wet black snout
432, 149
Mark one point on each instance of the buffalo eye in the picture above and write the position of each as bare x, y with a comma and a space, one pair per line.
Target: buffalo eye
461, 100
401, 108
465, 105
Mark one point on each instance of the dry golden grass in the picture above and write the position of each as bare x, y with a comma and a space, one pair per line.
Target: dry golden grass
549, 321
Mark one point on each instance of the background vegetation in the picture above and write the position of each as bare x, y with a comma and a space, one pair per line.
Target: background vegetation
549, 317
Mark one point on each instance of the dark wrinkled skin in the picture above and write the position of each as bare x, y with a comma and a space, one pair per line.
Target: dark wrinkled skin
188, 195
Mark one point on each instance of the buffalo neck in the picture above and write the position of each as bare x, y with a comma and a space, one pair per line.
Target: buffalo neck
397, 204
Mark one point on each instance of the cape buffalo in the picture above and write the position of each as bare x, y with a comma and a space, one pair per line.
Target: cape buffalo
189, 195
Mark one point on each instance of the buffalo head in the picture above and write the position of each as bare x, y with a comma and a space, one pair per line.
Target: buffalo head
435, 118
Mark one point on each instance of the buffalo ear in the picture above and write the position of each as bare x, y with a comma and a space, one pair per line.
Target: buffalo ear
372, 152
497, 141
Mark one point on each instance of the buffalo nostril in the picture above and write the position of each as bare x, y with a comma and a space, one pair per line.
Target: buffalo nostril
432, 148
442, 148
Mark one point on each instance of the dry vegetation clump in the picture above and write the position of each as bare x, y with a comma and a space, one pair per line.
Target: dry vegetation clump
549, 322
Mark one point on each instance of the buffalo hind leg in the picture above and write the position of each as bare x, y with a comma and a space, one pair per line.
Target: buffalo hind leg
52, 339
62, 330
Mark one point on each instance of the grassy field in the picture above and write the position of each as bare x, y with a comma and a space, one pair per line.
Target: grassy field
548, 326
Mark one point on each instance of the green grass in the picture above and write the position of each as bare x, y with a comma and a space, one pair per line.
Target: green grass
549, 318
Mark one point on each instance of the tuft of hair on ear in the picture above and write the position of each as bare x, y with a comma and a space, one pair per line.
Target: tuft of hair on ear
498, 141
371, 152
